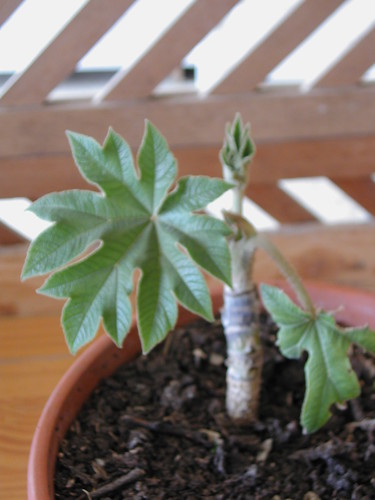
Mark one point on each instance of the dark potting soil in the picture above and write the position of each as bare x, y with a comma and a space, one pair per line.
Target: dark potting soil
157, 429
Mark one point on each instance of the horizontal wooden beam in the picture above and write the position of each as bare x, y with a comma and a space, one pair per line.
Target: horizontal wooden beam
342, 158
191, 121
33, 176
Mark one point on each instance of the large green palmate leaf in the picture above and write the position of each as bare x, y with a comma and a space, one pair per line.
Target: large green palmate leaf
137, 222
329, 376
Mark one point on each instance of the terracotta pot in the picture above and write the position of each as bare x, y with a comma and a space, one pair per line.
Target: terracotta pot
102, 358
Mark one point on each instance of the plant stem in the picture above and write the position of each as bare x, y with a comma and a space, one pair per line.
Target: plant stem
238, 194
288, 271
240, 318
240, 314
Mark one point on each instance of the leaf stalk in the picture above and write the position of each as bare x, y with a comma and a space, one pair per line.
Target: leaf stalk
288, 271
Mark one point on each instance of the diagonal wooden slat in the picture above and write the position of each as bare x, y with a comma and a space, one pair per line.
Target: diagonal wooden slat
7, 7
59, 59
8, 237
278, 204
168, 52
361, 189
353, 65
286, 37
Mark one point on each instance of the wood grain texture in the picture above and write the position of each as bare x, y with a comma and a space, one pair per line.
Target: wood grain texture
33, 176
192, 121
338, 254
59, 59
13, 292
167, 53
275, 47
33, 357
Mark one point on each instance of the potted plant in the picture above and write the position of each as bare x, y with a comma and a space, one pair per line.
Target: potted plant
142, 223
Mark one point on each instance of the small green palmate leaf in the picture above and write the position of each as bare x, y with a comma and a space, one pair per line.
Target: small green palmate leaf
136, 222
329, 376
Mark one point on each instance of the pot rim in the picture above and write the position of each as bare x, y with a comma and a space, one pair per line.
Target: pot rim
102, 358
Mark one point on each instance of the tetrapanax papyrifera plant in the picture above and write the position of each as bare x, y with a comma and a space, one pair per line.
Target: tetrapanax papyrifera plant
138, 221
240, 313
329, 376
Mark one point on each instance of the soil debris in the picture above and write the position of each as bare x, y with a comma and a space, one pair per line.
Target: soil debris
157, 429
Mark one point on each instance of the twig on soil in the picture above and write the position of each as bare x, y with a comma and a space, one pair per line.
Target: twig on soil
265, 450
219, 458
203, 437
324, 451
367, 424
168, 429
120, 482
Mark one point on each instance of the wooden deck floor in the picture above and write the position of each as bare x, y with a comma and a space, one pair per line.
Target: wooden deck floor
33, 354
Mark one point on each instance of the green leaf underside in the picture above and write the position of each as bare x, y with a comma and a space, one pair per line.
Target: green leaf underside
329, 376
139, 224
